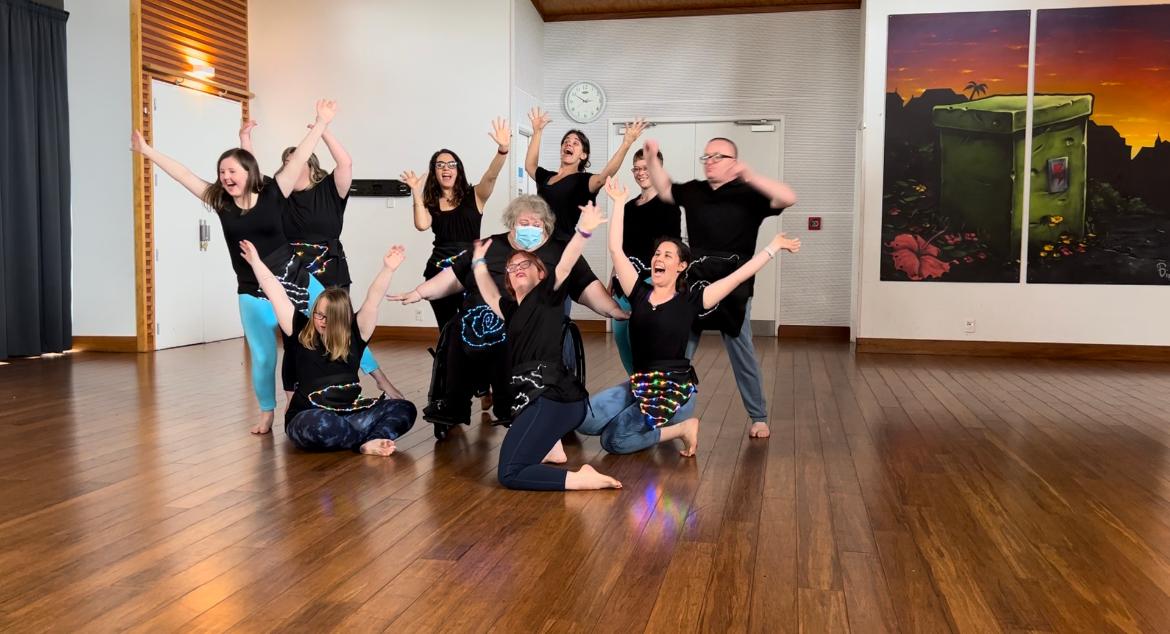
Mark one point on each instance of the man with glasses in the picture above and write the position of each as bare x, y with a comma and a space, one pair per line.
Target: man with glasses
724, 214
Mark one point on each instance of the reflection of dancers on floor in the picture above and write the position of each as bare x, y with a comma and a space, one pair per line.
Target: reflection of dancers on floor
724, 214
250, 208
313, 224
657, 403
328, 411
549, 401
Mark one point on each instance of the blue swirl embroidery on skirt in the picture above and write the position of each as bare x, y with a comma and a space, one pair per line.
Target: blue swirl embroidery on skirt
482, 328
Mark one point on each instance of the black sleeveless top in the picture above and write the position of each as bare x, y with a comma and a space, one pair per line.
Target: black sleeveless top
461, 224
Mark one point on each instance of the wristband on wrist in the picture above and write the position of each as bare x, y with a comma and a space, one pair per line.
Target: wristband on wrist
503, 152
584, 233
478, 261
770, 251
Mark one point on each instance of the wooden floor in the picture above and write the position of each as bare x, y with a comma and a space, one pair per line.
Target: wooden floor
896, 494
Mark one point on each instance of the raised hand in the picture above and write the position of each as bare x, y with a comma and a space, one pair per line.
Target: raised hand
480, 249
616, 190
539, 118
415, 181
501, 134
248, 251
782, 241
650, 148
634, 130
591, 217
326, 110
394, 257
409, 297
247, 127
138, 142
739, 169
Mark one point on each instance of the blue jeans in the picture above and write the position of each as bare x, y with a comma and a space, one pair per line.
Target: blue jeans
618, 420
621, 336
325, 430
744, 365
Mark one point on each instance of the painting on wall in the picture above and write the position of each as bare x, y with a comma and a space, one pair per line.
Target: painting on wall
956, 107
1100, 205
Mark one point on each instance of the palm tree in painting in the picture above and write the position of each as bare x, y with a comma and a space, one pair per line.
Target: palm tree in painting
976, 89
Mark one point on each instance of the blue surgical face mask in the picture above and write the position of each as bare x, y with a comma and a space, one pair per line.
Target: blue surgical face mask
529, 237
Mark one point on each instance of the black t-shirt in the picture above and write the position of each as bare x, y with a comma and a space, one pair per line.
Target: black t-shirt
263, 225
661, 333
497, 256
645, 224
535, 325
316, 215
460, 224
565, 197
726, 219
314, 365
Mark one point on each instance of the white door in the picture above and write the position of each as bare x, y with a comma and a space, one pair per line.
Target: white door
761, 146
522, 183
195, 298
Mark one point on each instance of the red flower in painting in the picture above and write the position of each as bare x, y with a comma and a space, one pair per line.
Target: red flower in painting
916, 257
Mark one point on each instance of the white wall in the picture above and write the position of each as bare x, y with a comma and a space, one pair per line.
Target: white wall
1003, 312
98, 51
803, 66
409, 77
527, 75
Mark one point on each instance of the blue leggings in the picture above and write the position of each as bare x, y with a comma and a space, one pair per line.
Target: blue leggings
621, 335
259, 320
532, 435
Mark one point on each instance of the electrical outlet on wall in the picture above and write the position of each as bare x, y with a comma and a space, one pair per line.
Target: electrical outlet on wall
418, 315
969, 325
390, 203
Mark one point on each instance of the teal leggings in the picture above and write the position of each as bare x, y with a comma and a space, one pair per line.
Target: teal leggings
259, 321
621, 336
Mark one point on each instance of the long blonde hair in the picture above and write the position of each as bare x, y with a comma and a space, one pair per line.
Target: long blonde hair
316, 174
338, 324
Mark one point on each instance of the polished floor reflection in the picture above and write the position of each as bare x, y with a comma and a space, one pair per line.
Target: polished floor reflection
896, 494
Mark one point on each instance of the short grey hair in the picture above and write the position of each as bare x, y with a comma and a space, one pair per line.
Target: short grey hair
529, 204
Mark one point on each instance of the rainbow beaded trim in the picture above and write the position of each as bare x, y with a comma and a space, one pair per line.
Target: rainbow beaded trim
659, 396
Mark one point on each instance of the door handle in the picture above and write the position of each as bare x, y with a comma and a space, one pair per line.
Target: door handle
204, 235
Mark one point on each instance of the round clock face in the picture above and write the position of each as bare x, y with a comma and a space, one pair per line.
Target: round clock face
584, 101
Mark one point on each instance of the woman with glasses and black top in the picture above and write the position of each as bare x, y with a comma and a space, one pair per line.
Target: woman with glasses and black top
657, 403
647, 218
453, 209
328, 412
570, 187
549, 400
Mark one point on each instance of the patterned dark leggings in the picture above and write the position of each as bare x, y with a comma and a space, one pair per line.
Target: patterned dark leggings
324, 430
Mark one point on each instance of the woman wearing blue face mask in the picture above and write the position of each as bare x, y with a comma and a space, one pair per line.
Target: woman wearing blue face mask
474, 340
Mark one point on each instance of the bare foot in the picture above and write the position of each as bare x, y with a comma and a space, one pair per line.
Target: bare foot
379, 447
265, 424
690, 437
556, 455
587, 478
759, 430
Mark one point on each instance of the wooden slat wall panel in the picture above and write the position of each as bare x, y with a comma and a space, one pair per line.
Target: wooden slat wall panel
169, 34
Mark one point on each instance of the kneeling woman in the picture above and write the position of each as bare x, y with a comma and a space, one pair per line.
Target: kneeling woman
657, 403
328, 412
549, 401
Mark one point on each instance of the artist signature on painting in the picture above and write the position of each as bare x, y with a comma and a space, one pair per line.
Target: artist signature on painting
1164, 270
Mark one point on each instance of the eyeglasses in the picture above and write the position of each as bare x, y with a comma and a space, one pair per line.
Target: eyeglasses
638, 170
446, 165
521, 265
714, 158
319, 316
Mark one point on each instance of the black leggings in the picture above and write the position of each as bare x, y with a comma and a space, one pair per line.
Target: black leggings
532, 434
467, 372
325, 430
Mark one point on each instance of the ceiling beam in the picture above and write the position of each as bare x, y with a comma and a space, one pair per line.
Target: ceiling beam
566, 10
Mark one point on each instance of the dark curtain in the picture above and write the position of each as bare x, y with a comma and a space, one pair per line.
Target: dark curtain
35, 269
